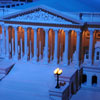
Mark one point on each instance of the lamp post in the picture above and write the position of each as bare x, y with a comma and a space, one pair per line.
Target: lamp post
57, 72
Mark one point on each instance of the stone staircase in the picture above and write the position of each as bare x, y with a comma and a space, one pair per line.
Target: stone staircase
5, 67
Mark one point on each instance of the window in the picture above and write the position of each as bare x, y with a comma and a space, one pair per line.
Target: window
17, 4
8, 6
98, 35
98, 53
97, 57
21, 3
13, 5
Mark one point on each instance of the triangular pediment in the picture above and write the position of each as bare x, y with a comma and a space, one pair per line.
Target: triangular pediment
41, 14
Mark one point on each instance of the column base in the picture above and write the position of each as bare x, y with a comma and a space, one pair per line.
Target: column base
2, 56
45, 58
45, 62
65, 62
25, 58
55, 62
15, 58
34, 59
76, 64
7, 57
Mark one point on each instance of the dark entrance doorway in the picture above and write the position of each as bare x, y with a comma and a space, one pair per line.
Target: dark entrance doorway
84, 78
94, 80
72, 88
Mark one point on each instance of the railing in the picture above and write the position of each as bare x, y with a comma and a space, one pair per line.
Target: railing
5, 11
86, 16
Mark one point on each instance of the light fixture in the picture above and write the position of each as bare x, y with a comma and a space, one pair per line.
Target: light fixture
57, 72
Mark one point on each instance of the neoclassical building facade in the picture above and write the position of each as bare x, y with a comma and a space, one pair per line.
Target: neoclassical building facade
44, 34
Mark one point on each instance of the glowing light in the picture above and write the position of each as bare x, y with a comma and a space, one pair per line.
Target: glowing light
58, 71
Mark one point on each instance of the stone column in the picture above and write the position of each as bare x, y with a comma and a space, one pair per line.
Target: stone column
16, 44
21, 48
78, 48
25, 44
89, 79
55, 47
90, 47
65, 59
98, 80
35, 44
30, 49
3, 40
12, 40
7, 43
46, 47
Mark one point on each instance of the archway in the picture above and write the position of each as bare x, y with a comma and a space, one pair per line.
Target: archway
94, 80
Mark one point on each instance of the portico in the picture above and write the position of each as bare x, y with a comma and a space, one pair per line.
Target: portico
55, 38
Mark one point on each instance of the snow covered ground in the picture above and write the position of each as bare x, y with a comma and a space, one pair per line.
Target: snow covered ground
86, 94
29, 81
32, 81
24, 82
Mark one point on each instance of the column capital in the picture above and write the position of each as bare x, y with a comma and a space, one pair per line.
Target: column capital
91, 32
46, 30
2, 25
6, 26
25, 28
55, 30
78, 33
66, 31
15, 27
34, 28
